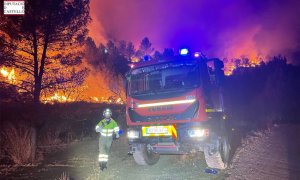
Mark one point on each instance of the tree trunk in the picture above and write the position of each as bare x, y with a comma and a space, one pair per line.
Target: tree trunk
37, 91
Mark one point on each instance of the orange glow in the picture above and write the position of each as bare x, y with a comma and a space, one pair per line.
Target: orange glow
95, 27
95, 89
95, 99
57, 98
246, 61
9, 75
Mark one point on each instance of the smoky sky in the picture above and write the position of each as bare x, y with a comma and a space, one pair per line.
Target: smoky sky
251, 28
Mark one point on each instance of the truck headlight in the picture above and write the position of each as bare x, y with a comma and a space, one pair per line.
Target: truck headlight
197, 132
133, 134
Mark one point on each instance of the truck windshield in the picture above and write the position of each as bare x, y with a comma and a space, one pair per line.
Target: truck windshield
163, 77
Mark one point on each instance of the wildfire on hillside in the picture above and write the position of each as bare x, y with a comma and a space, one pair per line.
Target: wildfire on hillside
91, 91
231, 66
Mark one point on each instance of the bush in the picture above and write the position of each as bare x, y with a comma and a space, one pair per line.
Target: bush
50, 136
19, 142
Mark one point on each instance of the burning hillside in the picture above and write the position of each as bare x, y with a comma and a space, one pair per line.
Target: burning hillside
95, 89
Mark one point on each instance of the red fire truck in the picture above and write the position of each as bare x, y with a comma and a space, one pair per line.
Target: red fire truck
175, 106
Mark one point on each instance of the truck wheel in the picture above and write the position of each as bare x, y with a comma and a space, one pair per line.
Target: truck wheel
144, 156
218, 157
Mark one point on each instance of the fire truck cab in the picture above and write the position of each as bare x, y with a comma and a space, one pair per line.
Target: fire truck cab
175, 106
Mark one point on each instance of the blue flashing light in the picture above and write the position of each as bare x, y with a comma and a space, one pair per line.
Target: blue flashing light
146, 58
184, 51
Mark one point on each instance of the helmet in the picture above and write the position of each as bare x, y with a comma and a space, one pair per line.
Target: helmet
107, 113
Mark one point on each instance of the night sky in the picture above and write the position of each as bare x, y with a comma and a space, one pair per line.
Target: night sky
249, 28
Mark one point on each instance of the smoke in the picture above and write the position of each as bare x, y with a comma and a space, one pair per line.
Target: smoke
236, 28
95, 28
97, 85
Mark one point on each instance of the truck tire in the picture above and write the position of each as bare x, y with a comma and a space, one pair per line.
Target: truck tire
143, 156
218, 157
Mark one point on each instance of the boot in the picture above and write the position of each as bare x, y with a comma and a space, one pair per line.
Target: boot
102, 166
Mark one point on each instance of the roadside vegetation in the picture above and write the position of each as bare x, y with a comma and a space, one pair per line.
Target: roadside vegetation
260, 96
52, 127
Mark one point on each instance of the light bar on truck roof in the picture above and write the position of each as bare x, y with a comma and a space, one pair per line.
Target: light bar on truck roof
186, 101
183, 51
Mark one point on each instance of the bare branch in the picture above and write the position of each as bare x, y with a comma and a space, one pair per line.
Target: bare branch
26, 82
23, 50
29, 71
24, 63
17, 86
56, 83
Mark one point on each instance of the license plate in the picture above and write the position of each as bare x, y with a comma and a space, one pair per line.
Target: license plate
157, 130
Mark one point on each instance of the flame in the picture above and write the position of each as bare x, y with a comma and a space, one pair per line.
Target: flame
8, 75
57, 98
231, 65
95, 99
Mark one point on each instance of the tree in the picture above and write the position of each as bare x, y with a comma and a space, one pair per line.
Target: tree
45, 43
91, 51
126, 49
130, 51
157, 55
168, 53
110, 61
145, 48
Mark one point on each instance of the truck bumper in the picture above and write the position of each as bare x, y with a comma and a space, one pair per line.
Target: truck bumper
183, 144
172, 147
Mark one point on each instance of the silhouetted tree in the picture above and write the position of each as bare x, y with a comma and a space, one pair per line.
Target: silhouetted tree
157, 55
168, 53
45, 43
145, 48
91, 51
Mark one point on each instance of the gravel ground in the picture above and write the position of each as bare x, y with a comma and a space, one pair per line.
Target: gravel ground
79, 162
122, 166
272, 154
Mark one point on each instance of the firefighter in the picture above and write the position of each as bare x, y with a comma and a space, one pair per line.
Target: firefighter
109, 130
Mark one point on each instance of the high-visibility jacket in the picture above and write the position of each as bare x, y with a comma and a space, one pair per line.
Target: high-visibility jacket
107, 129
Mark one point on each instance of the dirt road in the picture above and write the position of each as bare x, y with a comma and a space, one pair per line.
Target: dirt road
80, 162
82, 159
272, 154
